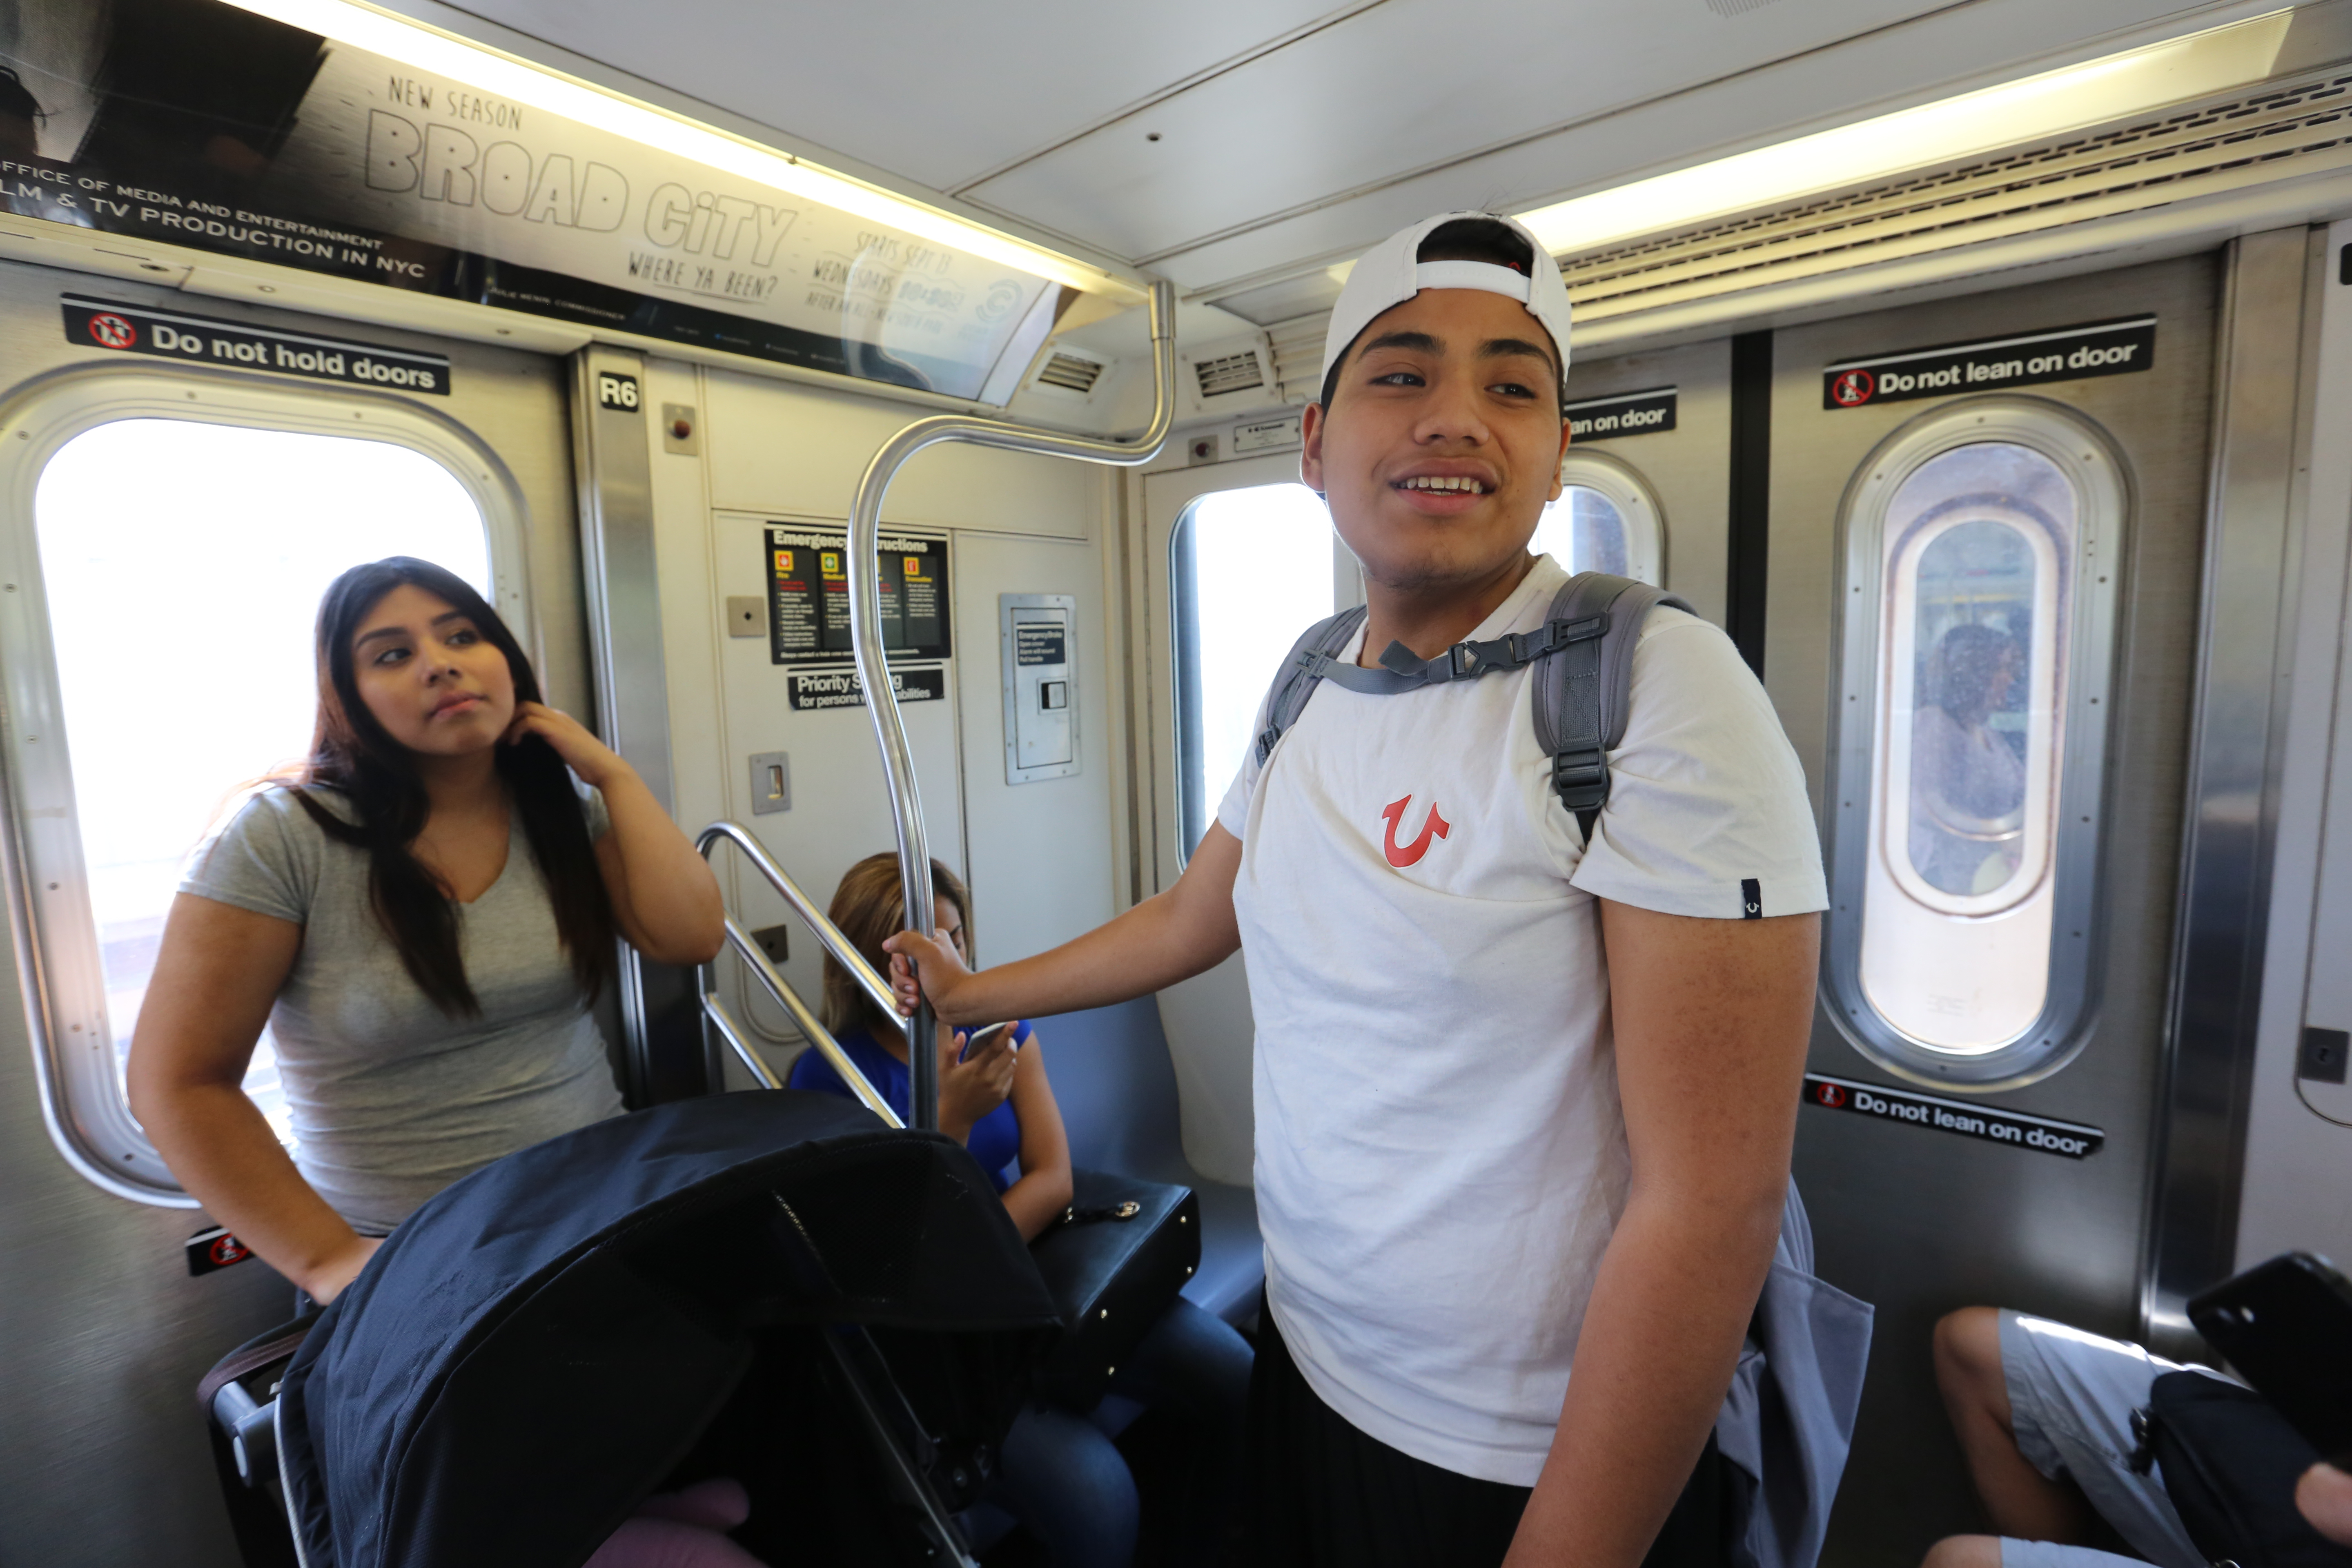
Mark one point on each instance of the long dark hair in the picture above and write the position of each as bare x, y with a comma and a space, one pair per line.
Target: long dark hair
353, 754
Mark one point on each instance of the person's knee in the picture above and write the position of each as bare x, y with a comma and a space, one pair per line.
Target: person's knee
1069, 1486
1967, 1355
1964, 1550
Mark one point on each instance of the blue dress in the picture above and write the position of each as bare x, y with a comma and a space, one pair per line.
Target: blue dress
996, 1139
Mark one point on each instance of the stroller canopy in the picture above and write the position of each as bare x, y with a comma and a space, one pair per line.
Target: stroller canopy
536, 1349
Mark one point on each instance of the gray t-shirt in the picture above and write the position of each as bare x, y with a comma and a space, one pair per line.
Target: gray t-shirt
392, 1100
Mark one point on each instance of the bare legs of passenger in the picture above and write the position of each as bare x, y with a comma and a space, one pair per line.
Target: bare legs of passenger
2018, 1499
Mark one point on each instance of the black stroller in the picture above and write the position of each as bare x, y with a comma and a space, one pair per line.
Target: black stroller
766, 1286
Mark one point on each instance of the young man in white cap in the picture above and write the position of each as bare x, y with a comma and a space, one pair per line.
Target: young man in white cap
1522, 1101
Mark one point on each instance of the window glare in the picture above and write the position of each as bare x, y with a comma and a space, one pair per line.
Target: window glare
1584, 531
182, 565
1262, 574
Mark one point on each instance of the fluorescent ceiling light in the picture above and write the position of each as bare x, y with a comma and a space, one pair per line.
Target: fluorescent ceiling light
505, 76
2036, 107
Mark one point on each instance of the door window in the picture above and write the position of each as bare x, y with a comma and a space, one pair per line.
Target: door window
1976, 664
179, 565
1606, 520
1249, 570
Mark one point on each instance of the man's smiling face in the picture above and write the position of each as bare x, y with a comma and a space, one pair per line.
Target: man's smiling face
1443, 440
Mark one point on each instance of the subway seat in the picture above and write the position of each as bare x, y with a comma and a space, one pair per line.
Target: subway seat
1116, 1088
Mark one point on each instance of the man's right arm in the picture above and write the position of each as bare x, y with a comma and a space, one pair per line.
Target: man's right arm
1169, 937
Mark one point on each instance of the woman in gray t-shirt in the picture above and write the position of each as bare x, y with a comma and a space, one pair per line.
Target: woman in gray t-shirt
423, 915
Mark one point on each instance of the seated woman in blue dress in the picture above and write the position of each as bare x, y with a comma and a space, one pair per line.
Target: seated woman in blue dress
1061, 1475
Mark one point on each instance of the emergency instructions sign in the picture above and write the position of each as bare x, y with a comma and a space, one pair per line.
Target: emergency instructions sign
2061, 354
205, 339
808, 597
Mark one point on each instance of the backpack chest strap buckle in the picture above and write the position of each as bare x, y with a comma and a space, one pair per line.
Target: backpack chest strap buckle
1580, 778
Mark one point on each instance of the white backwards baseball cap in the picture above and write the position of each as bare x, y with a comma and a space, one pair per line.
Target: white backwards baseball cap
1392, 272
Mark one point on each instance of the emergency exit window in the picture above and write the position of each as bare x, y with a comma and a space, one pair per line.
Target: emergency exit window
1249, 570
182, 565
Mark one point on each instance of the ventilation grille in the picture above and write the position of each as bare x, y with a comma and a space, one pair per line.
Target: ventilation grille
1734, 7
1071, 373
1229, 372
1297, 346
2288, 130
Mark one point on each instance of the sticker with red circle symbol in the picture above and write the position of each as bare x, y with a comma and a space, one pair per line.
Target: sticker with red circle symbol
1852, 388
1966, 1119
212, 1248
112, 332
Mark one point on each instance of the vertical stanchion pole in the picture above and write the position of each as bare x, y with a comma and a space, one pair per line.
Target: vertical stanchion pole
872, 664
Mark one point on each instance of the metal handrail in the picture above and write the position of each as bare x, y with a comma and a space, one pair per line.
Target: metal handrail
866, 625
715, 1011
844, 952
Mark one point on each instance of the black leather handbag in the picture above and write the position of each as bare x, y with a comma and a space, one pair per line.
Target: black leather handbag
1115, 1261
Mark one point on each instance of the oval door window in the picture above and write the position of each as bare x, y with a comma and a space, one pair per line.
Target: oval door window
1606, 520
1967, 692
1966, 832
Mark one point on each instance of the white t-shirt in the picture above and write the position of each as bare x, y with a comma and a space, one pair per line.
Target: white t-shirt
1441, 1154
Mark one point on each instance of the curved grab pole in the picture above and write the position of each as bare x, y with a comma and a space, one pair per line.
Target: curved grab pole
828, 935
866, 628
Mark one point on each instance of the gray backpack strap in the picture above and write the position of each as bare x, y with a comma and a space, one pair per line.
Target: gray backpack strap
1580, 694
1305, 665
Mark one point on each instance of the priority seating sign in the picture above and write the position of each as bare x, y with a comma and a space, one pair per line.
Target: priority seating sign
2028, 359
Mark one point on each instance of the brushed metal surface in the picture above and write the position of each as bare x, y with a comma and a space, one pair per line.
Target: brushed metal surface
1921, 1221
665, 1050
2236, 752
101, 1442
1686, 468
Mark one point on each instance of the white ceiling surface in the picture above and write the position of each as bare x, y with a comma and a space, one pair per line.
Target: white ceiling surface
1291, 132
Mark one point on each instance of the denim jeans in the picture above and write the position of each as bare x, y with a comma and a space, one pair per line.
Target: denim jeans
1069, 1487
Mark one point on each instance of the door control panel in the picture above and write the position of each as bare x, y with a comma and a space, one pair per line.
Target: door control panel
1038, 647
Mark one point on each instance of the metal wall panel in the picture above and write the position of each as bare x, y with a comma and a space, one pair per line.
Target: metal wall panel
1921, 1221
1686, 468
2243, 630
101, 1443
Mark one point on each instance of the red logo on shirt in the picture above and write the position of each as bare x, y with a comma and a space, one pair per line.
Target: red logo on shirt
1411, 854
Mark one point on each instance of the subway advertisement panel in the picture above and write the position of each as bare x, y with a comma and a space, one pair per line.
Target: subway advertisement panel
197, 123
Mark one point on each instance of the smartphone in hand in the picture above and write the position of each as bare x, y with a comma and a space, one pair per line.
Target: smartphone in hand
980, 1038
2286, 1327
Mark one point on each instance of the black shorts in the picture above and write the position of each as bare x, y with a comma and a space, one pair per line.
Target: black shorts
1325, 1495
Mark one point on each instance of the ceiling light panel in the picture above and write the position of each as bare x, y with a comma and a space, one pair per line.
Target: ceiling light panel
2035, 108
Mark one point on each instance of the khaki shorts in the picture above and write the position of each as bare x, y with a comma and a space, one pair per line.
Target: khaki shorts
2071, 1398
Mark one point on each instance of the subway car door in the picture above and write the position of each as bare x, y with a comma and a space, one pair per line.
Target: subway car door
1237, 559
185, 475
1986, 520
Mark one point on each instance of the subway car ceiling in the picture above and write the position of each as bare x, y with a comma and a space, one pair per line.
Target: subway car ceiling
1746, 164
1891, 316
